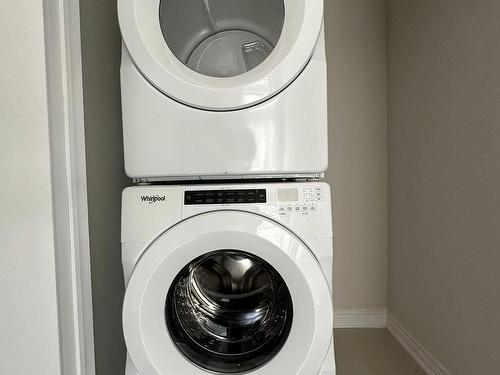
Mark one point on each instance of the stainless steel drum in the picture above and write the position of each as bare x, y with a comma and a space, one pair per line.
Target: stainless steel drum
229, 312
222, 38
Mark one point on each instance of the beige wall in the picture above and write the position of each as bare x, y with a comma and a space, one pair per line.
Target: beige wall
356, 52
444, 139
101, 48
29, 335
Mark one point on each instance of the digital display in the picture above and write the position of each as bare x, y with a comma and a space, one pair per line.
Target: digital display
239, 196
288, 195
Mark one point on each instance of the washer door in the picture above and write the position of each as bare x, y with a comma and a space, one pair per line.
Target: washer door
228, 292
220, 54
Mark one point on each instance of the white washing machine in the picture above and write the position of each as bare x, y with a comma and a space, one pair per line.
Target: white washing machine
228, 279
223, 88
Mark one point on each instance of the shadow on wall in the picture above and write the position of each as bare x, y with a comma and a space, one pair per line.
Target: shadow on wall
101, 52
357, 111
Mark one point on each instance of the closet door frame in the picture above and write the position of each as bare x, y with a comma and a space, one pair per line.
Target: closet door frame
69, 185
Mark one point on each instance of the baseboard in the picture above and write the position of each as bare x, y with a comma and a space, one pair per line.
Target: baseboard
421, 355
361, 318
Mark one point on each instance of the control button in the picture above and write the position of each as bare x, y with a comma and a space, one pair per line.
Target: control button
304, 208
312, 208
282, 209
297, 208
289, 208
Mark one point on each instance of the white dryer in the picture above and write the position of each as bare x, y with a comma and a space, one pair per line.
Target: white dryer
223, 88
228, 279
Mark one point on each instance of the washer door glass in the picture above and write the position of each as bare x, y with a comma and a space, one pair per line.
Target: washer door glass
229, 311
222, 38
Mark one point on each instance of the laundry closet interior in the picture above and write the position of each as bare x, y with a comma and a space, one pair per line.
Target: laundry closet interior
363, 51
210, 113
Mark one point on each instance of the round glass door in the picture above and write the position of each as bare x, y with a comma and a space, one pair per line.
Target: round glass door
222, 38
229, 312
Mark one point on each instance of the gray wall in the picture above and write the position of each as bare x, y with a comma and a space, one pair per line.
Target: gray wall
106, 178
356, 52
444, 178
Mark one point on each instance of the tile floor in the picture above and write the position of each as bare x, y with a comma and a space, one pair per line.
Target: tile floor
372, 352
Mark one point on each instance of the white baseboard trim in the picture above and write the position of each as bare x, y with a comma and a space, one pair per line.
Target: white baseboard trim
360, 318
421, 355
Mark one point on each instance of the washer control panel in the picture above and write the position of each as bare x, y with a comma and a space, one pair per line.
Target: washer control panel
228, 196
302, 207
313, 194
299, 200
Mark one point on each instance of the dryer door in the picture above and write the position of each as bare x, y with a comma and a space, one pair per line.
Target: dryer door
220, 54
228, 292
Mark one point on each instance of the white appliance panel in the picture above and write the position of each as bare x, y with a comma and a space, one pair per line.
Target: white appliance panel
166, 227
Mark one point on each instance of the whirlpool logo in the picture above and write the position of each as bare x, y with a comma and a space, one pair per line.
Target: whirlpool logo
152, 198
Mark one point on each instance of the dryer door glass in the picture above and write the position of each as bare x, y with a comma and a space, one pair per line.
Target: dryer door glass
222, 38
229, 312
